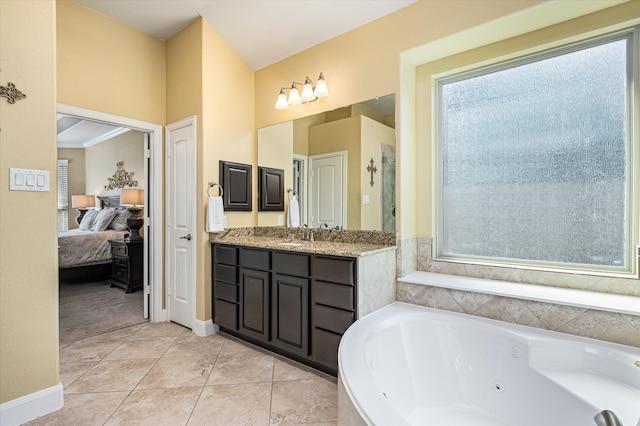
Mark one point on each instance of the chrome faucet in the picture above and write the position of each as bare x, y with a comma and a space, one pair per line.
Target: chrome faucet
307, 234
607, 418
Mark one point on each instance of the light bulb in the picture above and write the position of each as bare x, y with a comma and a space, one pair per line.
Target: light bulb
282, 103
307, 92
321, 88
294, 96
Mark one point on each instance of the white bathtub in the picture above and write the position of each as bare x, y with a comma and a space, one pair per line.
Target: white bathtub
410, 365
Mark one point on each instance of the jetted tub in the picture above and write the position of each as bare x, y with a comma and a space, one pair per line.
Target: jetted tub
410, 365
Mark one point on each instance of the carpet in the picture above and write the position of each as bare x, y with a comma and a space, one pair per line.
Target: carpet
90, 309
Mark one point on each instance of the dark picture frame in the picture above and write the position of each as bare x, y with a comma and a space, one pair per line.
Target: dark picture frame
270, 189
235, 179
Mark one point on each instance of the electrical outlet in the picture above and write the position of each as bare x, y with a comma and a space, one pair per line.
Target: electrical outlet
224, 221
280, 220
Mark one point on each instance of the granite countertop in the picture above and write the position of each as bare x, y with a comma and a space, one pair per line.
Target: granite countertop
330, 242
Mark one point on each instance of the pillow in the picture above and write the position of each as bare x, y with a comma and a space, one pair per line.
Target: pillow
103, 219
119, 222
87, 220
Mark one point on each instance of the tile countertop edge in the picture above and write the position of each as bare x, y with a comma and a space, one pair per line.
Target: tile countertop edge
311, 247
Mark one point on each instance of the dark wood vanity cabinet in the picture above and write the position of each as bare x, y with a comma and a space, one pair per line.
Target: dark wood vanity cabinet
293, 303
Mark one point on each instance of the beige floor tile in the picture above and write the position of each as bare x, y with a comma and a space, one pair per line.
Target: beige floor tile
234, 346
171, 407
110, 376
141, 348
177, 373
245, 367
88, 350
242, 404
303, 401
163, 329
123, 333
191, 346
69, 372
288, 370
86, 409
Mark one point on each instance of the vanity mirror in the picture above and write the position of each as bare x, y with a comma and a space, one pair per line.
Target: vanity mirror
340, 163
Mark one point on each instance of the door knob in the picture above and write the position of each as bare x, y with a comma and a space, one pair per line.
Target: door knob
186, 237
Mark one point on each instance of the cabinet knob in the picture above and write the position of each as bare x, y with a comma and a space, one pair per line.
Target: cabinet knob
186, 237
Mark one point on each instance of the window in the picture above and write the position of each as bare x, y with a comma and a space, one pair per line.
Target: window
63, 195
536, 160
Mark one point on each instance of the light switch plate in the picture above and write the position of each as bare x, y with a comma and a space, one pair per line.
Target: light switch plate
365, 199
28, 180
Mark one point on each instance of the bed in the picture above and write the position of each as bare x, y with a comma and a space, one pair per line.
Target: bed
85, 253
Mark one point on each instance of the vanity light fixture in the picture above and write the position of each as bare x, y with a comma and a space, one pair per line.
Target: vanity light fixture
309, 93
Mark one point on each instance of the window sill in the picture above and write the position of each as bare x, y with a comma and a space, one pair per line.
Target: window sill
559, 295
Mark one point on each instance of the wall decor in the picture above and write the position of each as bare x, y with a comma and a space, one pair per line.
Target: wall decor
11, 93
371, 169
235, 178
270, 189
120, 178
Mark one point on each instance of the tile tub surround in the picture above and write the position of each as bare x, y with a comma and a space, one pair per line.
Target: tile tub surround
607, 326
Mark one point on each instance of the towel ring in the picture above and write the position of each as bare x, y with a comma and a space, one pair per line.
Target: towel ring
211, 185
291, 190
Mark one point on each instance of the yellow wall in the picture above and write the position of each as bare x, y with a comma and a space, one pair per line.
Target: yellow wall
275, 150
203, 74
104, 65
101, 161
76, 159
28, 258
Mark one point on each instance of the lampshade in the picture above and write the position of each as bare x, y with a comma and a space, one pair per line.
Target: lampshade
132, 197
307, 92
294, 96
321, 88
282, 103
83, 201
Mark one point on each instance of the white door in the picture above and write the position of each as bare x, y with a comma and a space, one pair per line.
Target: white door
327, 189
180, 256
148, 235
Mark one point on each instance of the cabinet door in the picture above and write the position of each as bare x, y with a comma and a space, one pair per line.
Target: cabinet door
291, 313
254, 303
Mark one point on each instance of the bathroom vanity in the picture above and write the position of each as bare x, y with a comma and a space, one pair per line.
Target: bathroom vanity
298, 297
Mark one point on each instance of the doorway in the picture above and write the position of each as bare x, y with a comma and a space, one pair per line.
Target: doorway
153, 220
327, 190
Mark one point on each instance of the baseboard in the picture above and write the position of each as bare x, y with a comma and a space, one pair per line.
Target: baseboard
30, 406
205, 328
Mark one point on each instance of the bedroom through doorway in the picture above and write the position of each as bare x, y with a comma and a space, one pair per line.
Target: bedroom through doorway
105, 282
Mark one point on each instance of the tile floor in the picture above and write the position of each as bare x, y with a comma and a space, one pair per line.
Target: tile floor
163, 374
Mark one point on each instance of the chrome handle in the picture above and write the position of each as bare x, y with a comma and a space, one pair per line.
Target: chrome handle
186, 237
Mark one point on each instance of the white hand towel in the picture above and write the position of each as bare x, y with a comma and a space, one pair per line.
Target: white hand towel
293, 215
215, 215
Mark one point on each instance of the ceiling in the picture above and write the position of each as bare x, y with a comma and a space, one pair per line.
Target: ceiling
262, 32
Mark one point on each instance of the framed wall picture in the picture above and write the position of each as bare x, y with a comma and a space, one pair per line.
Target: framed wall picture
270, 189
235, 179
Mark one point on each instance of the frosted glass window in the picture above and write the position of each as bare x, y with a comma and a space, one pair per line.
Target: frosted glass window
535, 159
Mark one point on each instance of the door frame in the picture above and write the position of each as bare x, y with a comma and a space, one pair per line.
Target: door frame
189, 121
154, 219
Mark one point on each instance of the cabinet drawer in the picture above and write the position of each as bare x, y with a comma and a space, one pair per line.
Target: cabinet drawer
120, 261
226, 314
226, 291
120, 273
119, 249
331, 319
325, 348
334, 270
336, 295
255, 258
225, 273
226, 254
291, 264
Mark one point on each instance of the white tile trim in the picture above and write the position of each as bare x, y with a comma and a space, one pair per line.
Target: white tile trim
30, 406
558, 295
